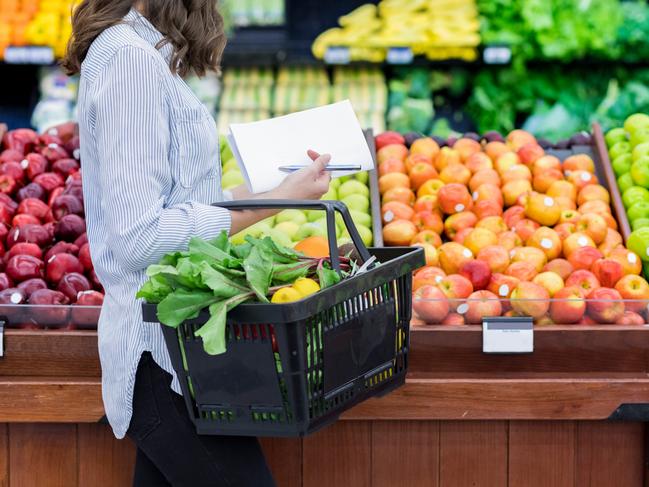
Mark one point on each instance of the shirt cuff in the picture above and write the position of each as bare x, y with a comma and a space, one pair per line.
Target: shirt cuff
211, 220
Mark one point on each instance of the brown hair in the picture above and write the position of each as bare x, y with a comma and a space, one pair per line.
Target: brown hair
193, 27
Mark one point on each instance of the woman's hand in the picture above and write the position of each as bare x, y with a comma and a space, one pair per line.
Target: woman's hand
309, 183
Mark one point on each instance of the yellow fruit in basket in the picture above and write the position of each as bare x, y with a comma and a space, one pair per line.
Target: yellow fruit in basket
286, 295
306, 287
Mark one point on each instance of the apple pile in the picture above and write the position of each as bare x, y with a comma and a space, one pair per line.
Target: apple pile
44, 254
507, 230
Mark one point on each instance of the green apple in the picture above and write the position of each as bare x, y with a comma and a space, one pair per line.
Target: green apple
311, 229
332, 194
640, 150
615, 135
239, 238
357, 202
640, 136
638, 242
361, 218
313, 215
622, 164
340, 222
366, 234
640, 223
363, 177
634, 194
625, 182
323, 223
258, 229
344, 241
279, 237
292, 215
231, 180
230, 165
344, 179
635, 122
618, 149
640, 172
638, 210
288, 228
352, 187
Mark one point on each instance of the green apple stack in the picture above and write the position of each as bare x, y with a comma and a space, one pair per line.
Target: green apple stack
628, 149
290, 226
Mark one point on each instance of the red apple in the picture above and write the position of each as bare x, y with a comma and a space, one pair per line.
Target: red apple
478, 272
605, 305
430, 304
630, 318
607, 271
636, 289
482, 304
583, 279
61, 264
568, 306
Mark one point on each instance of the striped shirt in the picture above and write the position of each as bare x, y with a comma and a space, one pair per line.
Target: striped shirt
150, 161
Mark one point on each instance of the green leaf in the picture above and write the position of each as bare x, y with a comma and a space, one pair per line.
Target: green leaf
284, 273
259, 268
222, 242
183, 305
221, 285
154, 290
198, 246
242, 251
154, 270
280, 254
213, 331
189, 274
328, 278
172, 258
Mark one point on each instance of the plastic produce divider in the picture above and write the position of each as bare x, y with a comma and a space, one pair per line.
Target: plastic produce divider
611, 181
375, 197
329, 206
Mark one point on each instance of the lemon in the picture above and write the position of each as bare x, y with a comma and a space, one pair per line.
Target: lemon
306, 286
286, 295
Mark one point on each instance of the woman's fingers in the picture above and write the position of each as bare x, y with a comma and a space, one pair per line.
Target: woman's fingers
313, 154
320, 163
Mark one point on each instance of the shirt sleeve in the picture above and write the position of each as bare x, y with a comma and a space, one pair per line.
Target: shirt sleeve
132, 137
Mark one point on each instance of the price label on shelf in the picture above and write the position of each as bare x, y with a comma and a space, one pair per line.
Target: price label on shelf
400, 55
497, 55
29, 55
337, 55
508, 335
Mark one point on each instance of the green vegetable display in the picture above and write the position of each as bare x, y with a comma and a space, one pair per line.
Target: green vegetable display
220, 276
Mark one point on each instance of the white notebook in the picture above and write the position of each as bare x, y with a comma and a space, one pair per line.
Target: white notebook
262, 147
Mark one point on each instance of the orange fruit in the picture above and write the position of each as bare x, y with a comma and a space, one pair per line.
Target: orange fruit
315, 247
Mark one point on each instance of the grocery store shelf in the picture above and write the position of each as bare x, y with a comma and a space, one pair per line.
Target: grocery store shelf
575, 372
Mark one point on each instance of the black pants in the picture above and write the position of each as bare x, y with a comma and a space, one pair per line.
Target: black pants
170, 453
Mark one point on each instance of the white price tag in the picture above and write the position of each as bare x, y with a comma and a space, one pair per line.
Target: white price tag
497, 55
400, 55
337, 55
508, 335
29, 55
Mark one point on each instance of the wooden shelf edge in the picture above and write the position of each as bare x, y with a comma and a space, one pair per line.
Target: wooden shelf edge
505, 399
79, 401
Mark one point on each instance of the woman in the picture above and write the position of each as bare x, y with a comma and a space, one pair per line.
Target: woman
151, 169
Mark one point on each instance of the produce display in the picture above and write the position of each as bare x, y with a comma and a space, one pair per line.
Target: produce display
244, 13
45, 254
307, 230
507, 227
628, 148
257, 94
437, 29
220, 276
35, 23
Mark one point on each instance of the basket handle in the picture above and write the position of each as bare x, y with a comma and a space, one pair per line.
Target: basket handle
330, 207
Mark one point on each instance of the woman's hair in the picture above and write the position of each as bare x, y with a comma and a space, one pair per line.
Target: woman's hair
193, 27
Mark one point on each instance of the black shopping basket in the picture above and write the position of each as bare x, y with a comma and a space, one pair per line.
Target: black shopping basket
293, 368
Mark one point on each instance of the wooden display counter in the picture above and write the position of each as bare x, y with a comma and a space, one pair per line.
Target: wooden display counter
464, 418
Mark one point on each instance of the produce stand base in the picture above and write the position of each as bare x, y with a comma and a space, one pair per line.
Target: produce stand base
362, 454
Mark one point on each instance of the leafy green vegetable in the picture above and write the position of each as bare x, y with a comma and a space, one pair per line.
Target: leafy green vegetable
219, 276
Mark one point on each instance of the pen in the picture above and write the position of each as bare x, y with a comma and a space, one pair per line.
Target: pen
333, 167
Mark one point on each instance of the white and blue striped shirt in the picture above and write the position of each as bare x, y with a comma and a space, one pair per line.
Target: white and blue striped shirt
150, 160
